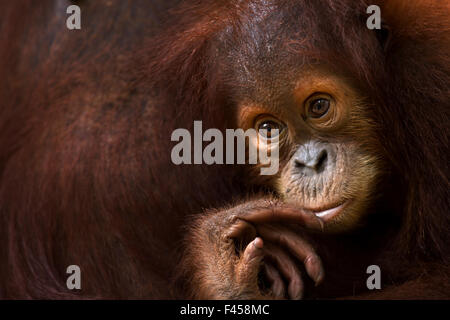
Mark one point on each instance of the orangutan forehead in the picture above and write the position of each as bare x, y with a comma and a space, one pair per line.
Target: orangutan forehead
266, 51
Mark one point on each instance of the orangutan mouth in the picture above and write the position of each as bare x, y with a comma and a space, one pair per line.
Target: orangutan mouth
330, 212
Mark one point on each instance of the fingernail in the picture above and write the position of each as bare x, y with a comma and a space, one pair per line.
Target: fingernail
293, 294
313, 268
319, 278
258, 243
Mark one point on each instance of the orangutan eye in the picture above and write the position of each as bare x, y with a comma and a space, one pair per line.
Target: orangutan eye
317, 108
267, 127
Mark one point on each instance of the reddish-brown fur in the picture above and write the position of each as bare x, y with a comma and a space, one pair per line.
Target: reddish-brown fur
85, 122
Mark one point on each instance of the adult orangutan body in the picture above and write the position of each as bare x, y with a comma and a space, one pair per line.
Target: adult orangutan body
86, 176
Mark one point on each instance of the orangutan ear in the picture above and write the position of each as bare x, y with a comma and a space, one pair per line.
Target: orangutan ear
384, 35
